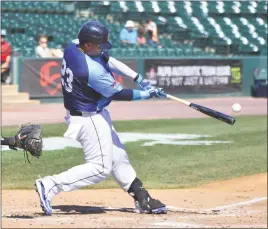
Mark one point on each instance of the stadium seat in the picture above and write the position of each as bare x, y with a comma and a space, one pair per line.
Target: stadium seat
220, 24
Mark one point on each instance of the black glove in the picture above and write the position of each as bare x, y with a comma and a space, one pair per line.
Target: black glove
30, 140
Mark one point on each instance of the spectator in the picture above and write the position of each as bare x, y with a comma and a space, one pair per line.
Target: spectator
151, 28
6, 52
141, 36
43, 51
153, 41
57, 52
128, 35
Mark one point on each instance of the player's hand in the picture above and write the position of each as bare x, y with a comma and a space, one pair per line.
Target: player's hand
143, 83
156, 92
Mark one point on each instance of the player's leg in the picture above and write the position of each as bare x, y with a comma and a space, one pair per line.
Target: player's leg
94, 134
125, 176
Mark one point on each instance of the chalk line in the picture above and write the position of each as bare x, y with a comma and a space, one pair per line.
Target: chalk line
248, 202
217, 209
188, 210
177, 224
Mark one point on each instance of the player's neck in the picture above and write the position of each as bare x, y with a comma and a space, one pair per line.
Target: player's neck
89, 52
81, 49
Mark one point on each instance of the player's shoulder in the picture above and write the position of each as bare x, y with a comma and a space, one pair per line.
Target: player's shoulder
71, 45
94, 65
71, 51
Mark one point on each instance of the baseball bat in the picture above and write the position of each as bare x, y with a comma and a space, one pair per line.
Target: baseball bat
205, 110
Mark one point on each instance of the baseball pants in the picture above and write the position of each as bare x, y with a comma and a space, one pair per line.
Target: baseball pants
104, 154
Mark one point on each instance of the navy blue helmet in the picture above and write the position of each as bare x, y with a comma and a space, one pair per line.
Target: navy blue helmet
95, 32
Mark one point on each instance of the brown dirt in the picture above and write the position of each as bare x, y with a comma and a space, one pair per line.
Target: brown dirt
114, 208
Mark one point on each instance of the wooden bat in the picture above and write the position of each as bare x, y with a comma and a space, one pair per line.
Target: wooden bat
212, 113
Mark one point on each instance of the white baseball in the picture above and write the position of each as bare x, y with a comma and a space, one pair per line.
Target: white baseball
236, 107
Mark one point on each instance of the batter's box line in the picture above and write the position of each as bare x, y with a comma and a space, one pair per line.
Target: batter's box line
217, 209
192, 211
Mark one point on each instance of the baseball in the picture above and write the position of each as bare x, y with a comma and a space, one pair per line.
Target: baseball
236, 107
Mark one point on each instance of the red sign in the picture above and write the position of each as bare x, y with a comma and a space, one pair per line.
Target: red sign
49, 80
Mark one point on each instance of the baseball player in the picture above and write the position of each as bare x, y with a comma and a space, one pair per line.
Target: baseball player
88, 88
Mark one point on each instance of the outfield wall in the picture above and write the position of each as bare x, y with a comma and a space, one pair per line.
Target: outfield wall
210, 76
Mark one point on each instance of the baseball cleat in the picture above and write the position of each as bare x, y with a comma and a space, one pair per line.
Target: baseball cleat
150, 206
44, 203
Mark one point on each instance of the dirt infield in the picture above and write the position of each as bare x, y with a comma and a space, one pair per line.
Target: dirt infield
156, 109
240, 202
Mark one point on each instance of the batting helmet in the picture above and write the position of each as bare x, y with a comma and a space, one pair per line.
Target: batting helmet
95, 32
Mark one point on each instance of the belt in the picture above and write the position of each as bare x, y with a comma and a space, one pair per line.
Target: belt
82, 113
76, 113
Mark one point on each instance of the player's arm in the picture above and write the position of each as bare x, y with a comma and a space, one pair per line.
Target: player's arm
133, 94
8, 141
103, 82
11, 141
122, 69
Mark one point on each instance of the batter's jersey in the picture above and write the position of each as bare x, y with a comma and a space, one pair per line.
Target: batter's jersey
87, 82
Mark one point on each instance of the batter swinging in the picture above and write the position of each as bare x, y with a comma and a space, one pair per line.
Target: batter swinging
88, 88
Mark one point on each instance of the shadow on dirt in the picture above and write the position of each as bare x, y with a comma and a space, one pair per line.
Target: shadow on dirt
19, 217
72, 209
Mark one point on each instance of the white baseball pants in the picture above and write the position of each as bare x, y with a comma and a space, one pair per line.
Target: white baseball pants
103, 151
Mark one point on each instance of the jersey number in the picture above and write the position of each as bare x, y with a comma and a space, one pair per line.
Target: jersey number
68, 75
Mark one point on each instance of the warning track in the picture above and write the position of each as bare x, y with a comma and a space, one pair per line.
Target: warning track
140, 110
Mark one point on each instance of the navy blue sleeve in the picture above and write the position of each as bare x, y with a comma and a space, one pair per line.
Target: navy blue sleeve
124, 95
130, 94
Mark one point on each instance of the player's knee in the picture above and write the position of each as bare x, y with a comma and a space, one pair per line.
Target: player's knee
106, 169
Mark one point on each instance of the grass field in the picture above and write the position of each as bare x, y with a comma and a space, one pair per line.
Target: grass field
158, 166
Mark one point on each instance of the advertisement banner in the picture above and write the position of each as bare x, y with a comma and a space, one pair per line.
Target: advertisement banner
195, 75
41, 78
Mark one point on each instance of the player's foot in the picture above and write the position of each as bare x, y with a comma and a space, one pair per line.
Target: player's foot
151, 206
44, 203
144, 203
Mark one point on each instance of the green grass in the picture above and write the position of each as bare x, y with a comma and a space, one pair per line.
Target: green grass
158, 166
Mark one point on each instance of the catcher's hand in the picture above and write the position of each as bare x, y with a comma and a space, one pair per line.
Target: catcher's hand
30, 140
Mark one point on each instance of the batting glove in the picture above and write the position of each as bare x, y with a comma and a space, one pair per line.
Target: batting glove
143, 83
156, 92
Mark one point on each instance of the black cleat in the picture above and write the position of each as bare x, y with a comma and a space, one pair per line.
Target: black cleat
144, 203
150, 206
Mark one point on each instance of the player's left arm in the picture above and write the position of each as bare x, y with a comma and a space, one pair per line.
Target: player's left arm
11, 141
8, 141
133, 94
122, 69
103, 82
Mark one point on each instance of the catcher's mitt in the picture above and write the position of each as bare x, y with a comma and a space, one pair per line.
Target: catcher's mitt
30, 140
